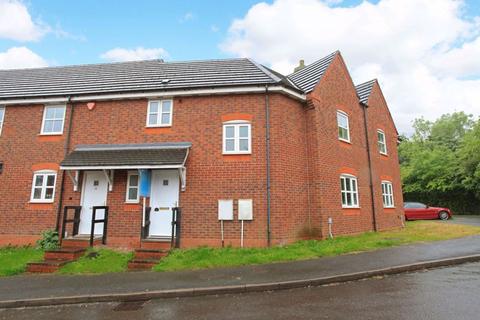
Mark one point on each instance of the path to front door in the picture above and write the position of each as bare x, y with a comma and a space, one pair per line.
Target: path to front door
163, 197
94, 193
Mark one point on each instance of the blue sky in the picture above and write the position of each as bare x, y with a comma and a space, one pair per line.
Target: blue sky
186, 29
424, 52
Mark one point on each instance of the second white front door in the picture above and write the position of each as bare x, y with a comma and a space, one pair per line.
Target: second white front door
94, 193
163, 197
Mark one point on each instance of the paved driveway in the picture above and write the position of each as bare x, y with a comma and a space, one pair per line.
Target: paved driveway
470, 220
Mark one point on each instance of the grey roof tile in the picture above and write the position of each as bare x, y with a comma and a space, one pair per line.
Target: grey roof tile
308, 77
364, 90
132, 76
127, 155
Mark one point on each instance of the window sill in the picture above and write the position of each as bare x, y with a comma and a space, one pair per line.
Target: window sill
41, 201
158, 126
384, 154
345, 141
350, 207
237, 153
50, 134
132, 202
389, 207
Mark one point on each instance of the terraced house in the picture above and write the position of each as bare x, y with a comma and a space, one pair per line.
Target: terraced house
230, 151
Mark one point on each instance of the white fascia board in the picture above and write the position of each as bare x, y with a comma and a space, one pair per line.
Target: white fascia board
157, 94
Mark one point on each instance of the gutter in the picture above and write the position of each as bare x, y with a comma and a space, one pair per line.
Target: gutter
267, 155
372, 198
66, 148
154, 94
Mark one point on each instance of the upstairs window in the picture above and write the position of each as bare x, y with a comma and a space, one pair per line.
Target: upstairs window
53, 119
343, 127
237, 137
159, 113
132, 187
349, 189
43, 186
387, 194
2, 116
382, 144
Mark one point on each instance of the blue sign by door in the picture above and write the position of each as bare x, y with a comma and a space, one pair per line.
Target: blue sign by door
145, 182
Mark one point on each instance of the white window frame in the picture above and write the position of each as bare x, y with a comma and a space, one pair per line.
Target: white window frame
159, 123
2, 118
387, 194
42, 132
343, 114
129, 175
354, 194
382, 143
45, 174
236, 136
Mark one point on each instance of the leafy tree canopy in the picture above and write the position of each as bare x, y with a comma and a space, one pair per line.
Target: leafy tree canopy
442, 156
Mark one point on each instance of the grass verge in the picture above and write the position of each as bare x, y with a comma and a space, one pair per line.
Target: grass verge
13, 260
98, 261
416, 231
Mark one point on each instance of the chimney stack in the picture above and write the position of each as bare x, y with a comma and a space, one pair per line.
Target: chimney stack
301, 65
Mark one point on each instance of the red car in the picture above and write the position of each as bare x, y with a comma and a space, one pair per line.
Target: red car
417, 210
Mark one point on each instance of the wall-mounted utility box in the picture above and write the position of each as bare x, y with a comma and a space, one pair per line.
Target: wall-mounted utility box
245, 209
225, 209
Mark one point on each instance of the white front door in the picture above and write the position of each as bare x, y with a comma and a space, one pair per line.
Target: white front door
94, 193
163, 197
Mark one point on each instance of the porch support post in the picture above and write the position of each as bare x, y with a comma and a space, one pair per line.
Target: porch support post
109, 175
74, 179
183, 178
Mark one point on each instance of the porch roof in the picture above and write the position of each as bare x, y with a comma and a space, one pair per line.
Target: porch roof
127, 156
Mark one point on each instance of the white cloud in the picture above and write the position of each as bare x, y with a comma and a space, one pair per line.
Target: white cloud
214, 28
17, 24
140, 53
424, 53
20, 57
187, 17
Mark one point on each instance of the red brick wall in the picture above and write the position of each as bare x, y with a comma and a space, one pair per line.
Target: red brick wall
384, 167
23, 151
210, 175
306, 162
336, 91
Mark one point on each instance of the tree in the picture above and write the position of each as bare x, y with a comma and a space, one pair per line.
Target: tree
441, 160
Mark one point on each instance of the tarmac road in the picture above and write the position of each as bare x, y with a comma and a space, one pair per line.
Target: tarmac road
447, 293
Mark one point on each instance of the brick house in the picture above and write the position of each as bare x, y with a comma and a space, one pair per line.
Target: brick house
301, 155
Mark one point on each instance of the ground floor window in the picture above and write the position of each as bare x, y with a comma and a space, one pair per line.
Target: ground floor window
387, 194
349, 191
132, 187
43, 186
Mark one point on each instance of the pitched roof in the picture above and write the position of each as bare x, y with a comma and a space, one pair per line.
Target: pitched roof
308, 77
135, 76
122, 155
364, 90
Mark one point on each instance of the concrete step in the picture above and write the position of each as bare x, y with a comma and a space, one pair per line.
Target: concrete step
46, 266
150, 254
64, 254
141, 264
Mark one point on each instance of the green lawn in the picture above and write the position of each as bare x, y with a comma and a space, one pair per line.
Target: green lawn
13, 260
98, 261
417, 231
